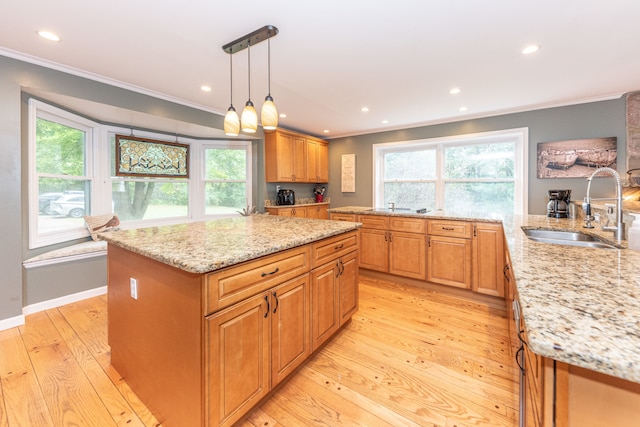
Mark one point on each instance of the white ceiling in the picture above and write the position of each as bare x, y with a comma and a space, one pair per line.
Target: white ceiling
399, 58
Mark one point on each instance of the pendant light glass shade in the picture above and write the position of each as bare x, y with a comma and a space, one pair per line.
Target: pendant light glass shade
249, 118
269, 113
231, 122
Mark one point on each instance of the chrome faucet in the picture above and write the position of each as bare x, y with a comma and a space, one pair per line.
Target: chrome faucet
618, 229
392, 206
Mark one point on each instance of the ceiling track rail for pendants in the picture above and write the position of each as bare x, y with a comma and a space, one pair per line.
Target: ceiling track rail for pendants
250, 39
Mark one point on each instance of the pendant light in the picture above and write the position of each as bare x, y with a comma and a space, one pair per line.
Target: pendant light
249, 119
269, 113
231, 120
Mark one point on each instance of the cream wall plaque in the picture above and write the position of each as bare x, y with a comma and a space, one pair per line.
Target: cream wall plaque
348, 173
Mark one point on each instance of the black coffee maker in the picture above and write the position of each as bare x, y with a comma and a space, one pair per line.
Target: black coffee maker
558, 206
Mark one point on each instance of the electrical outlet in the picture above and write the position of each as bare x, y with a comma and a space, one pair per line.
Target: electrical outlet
133, 283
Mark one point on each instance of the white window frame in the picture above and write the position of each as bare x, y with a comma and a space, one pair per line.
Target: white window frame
37, 110
99, 157
246, 146
519, 136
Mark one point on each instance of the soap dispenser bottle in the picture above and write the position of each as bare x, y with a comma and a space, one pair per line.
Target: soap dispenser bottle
634, 233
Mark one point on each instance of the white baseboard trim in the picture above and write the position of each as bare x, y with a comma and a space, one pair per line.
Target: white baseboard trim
67, 299
11, 322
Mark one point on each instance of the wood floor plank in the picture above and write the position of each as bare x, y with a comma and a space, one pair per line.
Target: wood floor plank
70, 397
23, 401
120, 410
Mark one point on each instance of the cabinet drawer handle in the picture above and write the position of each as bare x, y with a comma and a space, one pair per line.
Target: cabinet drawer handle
448, 228
340, 246
266, 299
273, 272
275, 295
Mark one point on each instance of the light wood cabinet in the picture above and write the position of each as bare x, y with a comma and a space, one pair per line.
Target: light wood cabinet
342, 217
294, 157
394, 245
317, 160
449, 261
238, 349
240, 340
222, 341
488, 259
319, 211
334, 286
290, 211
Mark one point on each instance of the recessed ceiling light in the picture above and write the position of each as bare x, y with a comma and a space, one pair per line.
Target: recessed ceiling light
49, 36
384, 122
462, 109
326, 131
205, 88
530, 49
455, 91
364, 109
283, 116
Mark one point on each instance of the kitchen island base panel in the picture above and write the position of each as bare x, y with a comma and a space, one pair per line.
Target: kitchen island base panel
194, 361
155, 340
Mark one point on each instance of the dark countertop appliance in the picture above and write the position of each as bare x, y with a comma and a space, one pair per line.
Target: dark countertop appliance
558, 205
286, 197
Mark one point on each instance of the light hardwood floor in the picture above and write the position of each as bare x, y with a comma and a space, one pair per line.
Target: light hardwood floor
409, 357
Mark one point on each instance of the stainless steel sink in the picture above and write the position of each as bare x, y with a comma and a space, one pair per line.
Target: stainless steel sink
571, 238
390, 210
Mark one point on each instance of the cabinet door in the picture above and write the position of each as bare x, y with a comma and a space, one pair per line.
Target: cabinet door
323, 161
312, 160
299, 212
290, 344
374, 249
299, 165
279, 157
318, 212
237, 359
449, 261
407, 254
348, 284
488, 259
324, 303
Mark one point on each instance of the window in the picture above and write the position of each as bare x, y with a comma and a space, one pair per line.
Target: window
67, 182
61, 174
136, 200
470, 175
226, 177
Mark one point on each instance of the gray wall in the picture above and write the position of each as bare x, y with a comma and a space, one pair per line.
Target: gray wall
592, 120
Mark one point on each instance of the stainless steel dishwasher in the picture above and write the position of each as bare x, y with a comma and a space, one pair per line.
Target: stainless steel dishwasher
521, 365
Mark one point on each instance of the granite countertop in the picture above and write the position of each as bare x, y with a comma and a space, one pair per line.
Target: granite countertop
580, 305
201, 247
434, 214
296, 205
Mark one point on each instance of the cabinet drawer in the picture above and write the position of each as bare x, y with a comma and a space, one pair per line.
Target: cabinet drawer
332, 248
449, 228
410, 225
236, 283
374, 221
343, 217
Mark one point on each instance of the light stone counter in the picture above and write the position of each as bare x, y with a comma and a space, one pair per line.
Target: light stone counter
580, 305
201, 247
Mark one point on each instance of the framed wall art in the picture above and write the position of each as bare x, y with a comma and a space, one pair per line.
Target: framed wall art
144, 157
576, 158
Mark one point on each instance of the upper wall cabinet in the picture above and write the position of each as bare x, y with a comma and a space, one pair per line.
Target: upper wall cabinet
294, 157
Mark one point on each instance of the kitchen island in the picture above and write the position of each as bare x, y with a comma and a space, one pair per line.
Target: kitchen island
581, 320
207, 318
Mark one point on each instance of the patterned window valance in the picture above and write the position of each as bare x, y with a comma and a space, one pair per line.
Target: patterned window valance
151, 158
